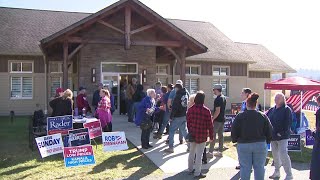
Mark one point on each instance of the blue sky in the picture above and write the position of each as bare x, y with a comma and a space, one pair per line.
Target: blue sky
289, 28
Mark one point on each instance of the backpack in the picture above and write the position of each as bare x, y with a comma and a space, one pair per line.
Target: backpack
185, 100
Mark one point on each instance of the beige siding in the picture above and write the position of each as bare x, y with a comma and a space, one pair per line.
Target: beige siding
257, 85
257, 74
21, 106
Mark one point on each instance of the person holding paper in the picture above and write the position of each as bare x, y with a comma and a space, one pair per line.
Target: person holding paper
103, 111
315, 160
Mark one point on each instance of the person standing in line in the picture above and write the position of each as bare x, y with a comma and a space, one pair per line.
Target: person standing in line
146, 108
199, 122
113, 108
158, 89
63, 105
165, 121
131, 89
103, 111
178, 115
315, 160
244, 96
281, 119
96, 96
218, 120
82, 102
137, 98
252, 131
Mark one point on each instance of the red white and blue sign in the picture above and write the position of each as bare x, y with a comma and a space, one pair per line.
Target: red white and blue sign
228, 123
79, 137
94, 129
309, 138
294, 142
114, 141
78, 156
59, 124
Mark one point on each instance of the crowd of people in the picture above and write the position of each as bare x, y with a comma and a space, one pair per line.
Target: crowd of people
175, 110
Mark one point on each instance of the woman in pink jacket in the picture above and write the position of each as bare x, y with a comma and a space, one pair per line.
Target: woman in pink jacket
103, 111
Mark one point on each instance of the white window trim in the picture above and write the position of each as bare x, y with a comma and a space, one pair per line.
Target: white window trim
137, 67
224, 78
60, 81
58, 62
17, 98
20, 61
168, 69
189, 79
193, 65
216, 66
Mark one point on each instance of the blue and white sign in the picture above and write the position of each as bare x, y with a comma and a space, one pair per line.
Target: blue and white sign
59, 124
309, 138
78, 156
294, 143
79, 137
114, 141
228, 122
49, 145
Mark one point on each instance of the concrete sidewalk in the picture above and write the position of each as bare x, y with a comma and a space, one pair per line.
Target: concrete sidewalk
175, 165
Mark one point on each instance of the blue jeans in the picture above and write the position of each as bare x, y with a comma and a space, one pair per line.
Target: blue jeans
177, 123
165, 122
129, 110
135, 109
252, 155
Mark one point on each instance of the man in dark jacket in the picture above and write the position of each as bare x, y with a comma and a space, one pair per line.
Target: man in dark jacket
96, 96
281, 118
178, 115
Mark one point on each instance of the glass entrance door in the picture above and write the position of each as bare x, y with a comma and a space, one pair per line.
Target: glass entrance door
112, 82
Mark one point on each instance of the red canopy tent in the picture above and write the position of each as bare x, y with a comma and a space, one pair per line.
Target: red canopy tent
294, 83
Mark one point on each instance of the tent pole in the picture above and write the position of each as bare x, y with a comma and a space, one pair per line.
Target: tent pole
301, 108
264, 100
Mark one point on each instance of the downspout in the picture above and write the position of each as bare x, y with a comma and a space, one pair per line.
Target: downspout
45, 80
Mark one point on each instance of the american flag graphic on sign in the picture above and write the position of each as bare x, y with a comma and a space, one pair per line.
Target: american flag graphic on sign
295, 98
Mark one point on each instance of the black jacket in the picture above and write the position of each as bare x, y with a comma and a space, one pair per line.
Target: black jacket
251, 126
180, 104
139, 94
96, 98
61, 106
281, 120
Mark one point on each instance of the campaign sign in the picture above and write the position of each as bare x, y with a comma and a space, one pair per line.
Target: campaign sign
49, 145
94, 129
114, 141
309, 138
59, 124
79, 137
65, 140
269, 147
228, 122
78, 156
294, 143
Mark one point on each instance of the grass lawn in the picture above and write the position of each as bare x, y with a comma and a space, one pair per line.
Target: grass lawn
17, 161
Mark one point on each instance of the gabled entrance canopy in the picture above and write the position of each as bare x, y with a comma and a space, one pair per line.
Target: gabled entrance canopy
137, 18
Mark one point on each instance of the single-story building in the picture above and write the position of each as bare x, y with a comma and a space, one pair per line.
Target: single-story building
41, 50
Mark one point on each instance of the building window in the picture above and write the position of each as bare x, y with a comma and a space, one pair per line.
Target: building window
56, 82
224, 83
192, 85
220, 71
193, 70
162, 69
123, 68
163, 80
21, 67
21, 87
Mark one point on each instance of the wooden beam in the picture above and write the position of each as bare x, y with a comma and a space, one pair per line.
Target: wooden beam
143, 28
157, 43
110, 26
178, 58
127, 20
182, 55
75, 51
65, 65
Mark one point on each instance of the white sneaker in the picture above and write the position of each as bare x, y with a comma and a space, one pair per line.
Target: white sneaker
288, 177
275, 175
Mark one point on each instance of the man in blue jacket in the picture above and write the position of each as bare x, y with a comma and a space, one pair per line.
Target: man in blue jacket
281, 118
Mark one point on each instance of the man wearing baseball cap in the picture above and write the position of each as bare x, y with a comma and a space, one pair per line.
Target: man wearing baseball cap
218, 120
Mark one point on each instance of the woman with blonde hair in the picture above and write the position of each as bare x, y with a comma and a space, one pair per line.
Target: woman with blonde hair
103, 111
62, 106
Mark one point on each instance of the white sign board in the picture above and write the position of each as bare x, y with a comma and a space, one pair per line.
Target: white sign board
114, 141
49, 145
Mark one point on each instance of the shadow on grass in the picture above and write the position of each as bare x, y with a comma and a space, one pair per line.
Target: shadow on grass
146, 167
17, 170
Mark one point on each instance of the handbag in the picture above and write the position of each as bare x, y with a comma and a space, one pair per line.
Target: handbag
190, 138
146, 123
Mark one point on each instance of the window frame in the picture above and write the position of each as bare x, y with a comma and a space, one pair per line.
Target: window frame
21, 87
60, 82
21, 62
227, 85
168, 69
193, 65
220, 67
70, 69
189, 79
